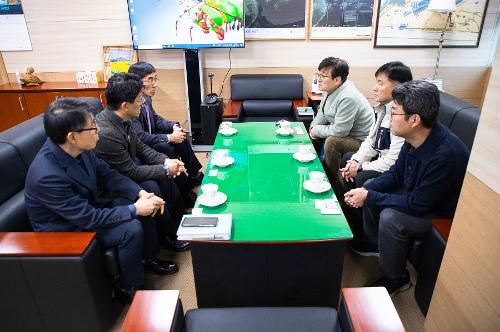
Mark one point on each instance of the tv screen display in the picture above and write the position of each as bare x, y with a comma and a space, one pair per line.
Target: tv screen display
163, 24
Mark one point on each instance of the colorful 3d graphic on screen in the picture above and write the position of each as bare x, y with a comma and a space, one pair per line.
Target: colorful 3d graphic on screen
158, 24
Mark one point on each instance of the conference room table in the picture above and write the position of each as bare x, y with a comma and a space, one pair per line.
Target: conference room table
282, 250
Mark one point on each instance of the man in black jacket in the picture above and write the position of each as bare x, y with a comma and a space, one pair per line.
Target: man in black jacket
120, 147
160, 134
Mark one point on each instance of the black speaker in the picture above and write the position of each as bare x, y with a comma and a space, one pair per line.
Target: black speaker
211, 117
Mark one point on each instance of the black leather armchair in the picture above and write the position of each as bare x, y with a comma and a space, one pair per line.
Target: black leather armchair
264, 97
18, 147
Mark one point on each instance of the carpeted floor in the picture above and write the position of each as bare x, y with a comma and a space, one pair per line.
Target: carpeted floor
358, 272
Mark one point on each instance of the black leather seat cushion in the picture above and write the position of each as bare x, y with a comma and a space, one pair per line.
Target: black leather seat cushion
449, 107
266, 86
27, 137
266, 110
465, 125
268, 319
95, 105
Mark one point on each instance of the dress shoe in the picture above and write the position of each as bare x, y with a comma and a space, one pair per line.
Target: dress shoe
125, 295
176, 246
195, 180
393, 286
159, 266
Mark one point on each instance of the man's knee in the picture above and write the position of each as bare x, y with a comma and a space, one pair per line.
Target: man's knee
390, 222
132, 231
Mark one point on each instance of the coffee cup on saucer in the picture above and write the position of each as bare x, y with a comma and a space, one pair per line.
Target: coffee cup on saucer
210, 191
284, 125
317, 178
220, 154
304, 149
226, 125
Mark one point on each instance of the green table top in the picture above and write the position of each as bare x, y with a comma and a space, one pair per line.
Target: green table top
265, 190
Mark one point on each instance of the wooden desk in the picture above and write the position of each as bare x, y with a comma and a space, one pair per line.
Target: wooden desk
283, 251
53, 282
19, 103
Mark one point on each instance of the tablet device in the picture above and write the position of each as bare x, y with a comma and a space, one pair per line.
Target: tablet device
199, 221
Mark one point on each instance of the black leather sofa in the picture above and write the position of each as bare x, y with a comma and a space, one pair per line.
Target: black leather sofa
85, 307
265, 97
360, 309
426, 254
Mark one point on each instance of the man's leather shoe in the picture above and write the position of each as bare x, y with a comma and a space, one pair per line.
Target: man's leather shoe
195, 180
176, 246
124, 295
159, 266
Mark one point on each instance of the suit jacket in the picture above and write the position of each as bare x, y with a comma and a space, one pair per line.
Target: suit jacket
61, 195
159, 126
120, 149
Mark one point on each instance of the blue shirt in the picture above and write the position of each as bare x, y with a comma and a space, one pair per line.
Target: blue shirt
431, 177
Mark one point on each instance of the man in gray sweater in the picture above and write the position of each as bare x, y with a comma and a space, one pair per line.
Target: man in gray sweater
344, 115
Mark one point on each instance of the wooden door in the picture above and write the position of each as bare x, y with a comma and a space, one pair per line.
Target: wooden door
13, 110
37, 102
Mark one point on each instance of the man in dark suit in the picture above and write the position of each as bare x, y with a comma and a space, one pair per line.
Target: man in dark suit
120, 147
64, 193
162, 135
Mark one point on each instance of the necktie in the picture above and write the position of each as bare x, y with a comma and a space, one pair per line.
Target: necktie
146, 106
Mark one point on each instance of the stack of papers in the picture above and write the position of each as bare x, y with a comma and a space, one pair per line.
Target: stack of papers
221, 232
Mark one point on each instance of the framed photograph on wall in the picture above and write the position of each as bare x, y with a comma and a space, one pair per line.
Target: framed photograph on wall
341, 19
117, 59
275, 19
410, 24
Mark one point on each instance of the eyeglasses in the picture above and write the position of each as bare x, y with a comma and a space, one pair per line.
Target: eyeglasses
95, 127
152, 80
392, 114
318, 75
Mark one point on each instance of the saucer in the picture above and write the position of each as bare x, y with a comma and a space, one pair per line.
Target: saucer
304, 157
228, 131
312, 187
219, 198
223, 163
284, 132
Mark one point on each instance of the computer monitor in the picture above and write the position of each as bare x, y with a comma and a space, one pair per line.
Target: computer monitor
187, 24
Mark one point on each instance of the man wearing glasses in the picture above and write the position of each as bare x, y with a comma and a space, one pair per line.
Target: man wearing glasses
344, 115
68, 189
424, 183
167, 137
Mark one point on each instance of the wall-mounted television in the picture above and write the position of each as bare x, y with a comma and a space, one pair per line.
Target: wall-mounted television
164, 24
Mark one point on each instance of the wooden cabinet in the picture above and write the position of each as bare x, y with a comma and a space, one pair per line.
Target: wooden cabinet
19, 103
13, 110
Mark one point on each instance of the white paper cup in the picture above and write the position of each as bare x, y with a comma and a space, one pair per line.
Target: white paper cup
284, 125
317, 178
210, 190
225, 125
304, 149
220, 154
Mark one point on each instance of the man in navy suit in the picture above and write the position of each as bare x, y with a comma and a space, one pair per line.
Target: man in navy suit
68, 189
160, 134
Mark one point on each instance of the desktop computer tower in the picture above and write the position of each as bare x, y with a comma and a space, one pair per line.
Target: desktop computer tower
211, 117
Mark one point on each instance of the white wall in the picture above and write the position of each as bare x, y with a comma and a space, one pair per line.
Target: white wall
68, 36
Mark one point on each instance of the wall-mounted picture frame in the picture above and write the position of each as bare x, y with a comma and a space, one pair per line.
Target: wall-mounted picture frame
410, 24
275, 19
341, 19
117, 59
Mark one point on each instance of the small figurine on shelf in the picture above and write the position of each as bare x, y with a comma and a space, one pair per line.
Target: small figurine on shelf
29, 78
